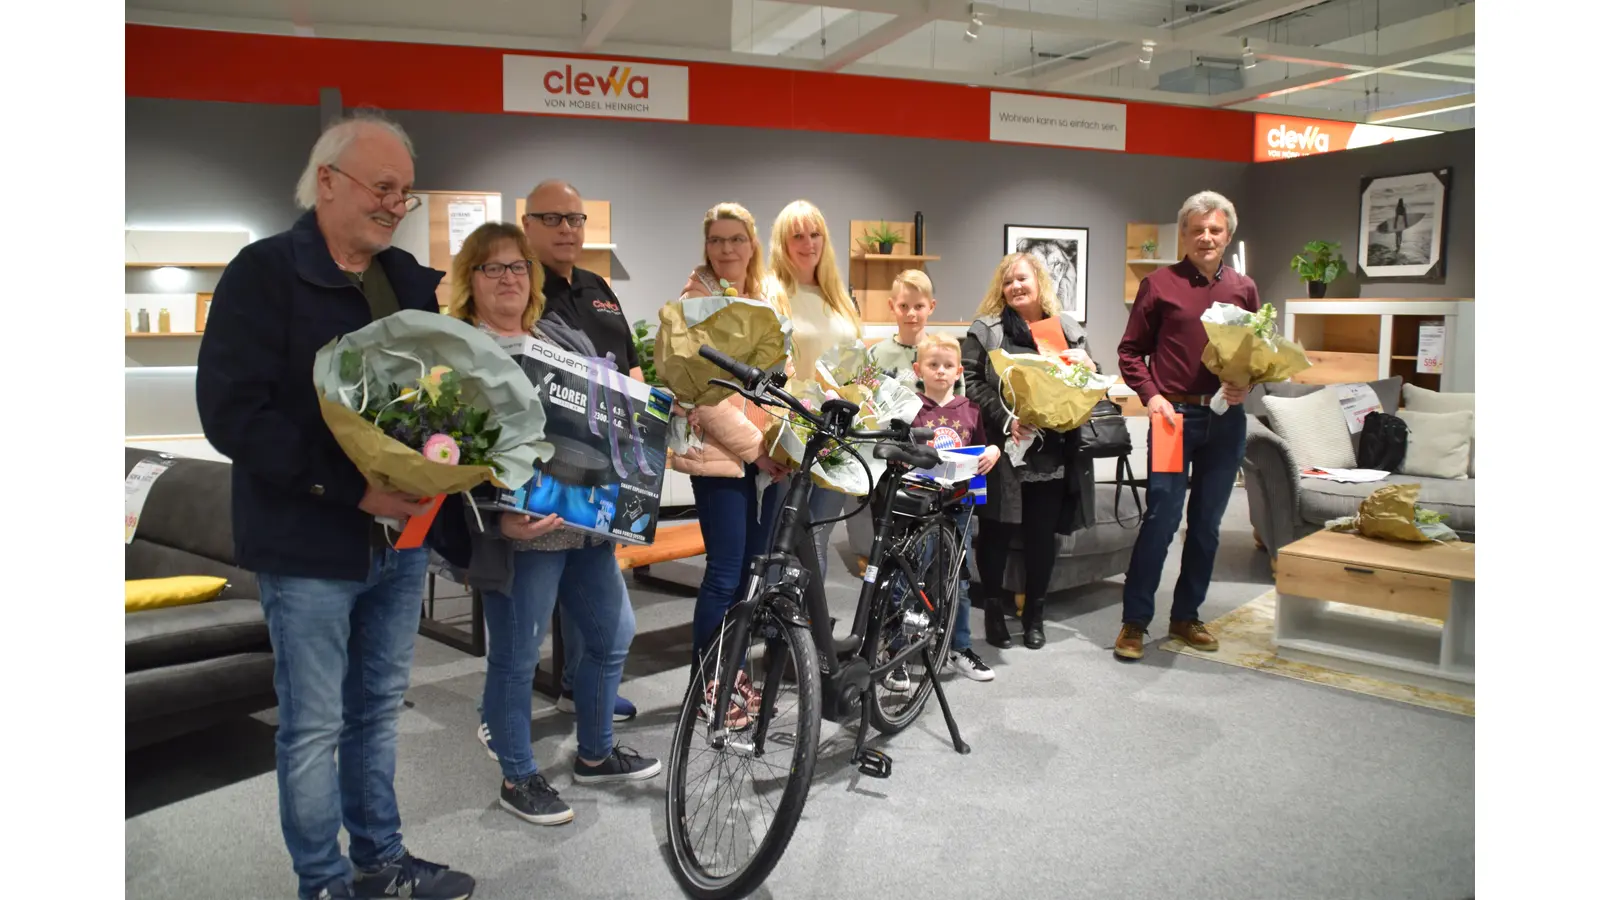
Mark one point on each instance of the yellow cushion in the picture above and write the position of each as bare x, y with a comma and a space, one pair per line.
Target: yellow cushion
180, 590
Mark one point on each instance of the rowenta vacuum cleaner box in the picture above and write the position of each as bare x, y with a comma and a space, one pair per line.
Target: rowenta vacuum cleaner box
610, 437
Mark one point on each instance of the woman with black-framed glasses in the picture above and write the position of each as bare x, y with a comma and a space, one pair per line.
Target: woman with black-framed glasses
525, 566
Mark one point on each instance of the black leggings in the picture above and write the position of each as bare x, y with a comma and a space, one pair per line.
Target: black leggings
1041, 509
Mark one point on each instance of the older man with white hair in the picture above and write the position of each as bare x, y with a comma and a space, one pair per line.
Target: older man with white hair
1160, 360
342, 605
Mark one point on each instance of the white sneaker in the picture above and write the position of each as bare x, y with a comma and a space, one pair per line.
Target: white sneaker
969, 664
483, 738
898, 680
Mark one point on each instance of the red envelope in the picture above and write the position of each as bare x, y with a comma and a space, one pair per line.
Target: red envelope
1047, 334
1166, 443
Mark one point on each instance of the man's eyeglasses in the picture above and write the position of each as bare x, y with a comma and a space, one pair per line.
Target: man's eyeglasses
736, 241
553, 219
495, 270
387, 198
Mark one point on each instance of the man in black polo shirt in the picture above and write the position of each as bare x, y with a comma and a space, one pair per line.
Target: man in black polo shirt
583, 301
554, 222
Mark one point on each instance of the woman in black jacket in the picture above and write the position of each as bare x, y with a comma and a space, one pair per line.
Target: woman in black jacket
1052, 491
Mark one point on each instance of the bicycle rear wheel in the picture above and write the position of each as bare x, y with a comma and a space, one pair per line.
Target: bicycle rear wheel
731, 810
908, 606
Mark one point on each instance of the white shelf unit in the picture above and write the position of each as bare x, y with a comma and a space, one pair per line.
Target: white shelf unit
1364, 339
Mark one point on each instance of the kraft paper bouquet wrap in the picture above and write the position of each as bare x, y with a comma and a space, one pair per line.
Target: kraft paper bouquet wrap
843, 372
1046, 392
750, 331
427, 405
1244, 348
1391, 513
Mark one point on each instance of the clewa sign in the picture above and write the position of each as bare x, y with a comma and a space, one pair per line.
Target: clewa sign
571, 86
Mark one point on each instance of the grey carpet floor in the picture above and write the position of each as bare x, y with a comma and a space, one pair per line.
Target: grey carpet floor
1089, 778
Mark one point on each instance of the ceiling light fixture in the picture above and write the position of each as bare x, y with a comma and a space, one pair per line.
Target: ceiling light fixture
1147, 52
975, 26
1247, 59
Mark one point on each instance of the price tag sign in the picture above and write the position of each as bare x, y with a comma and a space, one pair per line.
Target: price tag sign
1430, 348
137, 486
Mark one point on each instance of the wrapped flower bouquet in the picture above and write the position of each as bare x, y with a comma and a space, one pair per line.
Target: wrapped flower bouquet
427, 405
1245, 348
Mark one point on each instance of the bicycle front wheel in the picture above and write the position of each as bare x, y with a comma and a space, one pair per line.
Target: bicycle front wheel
733, 806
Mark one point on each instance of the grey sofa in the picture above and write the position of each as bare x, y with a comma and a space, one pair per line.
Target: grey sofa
189, 667
1084, 557
1285, 507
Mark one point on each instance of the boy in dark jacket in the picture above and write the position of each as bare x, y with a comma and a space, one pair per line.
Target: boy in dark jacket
956, 422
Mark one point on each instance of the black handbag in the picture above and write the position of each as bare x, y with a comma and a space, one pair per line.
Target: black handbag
1105, 435
1383, 442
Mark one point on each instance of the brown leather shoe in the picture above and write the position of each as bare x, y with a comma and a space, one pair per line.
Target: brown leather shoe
1130, 642
1193, 633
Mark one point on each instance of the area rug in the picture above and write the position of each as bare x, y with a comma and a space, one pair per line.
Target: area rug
1245, 639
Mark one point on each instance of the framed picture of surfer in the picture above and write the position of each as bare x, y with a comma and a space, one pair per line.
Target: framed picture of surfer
1402, 225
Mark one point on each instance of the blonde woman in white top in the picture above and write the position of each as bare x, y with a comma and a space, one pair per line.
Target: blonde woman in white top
806, 286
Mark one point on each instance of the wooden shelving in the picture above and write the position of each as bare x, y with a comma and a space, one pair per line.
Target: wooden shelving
1137, 267
872, 274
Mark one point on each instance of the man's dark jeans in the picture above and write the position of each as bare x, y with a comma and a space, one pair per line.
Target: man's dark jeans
1213, 448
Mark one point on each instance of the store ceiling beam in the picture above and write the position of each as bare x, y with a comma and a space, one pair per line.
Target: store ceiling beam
1388, 63
771, 28
1440, 72
1210, 27
880, 37
1417, 110
600, 25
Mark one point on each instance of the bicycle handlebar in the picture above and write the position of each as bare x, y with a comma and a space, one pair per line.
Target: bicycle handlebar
755, 383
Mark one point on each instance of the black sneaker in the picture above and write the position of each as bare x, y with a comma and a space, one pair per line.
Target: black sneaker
535, 800
622, 765
414, 878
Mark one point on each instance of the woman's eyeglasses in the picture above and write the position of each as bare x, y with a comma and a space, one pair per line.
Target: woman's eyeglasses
495, 270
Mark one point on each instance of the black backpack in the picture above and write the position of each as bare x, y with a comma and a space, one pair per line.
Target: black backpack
1383, 442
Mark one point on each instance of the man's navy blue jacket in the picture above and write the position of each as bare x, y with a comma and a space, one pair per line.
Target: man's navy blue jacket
295, 493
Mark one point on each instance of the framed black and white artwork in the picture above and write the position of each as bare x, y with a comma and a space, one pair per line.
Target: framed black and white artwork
1065, 254
1402, 225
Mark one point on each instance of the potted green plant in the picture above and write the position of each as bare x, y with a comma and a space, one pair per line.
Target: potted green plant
882, 238
1148, 249
644, 343
1318, 264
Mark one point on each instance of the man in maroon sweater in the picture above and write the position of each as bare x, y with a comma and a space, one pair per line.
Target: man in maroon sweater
1160, 360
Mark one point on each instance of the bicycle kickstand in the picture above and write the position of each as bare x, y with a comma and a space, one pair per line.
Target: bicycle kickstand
944, 707
875, 763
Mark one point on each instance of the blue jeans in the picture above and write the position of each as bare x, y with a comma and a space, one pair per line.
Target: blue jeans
727, 508
594, 598
961, 639
341, 664
1213, 448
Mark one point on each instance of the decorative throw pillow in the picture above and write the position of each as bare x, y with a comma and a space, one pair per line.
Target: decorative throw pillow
1314, 428
1440, 444
1423, 400
179, 590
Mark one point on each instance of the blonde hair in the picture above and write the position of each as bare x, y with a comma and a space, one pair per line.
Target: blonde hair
938, 340
474, 251
830, 285
994, 301
915, 279
755, 274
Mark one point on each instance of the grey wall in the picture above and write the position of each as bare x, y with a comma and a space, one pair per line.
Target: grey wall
229, 162
1290, 202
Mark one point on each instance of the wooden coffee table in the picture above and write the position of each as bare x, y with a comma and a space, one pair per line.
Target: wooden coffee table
1325, 581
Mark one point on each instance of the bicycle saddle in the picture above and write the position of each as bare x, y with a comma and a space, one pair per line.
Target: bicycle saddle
917, 457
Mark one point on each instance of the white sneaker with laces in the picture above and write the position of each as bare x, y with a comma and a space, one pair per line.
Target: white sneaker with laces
898, 680
971, 665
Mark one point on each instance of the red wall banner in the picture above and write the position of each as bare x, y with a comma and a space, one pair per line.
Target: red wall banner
188, 64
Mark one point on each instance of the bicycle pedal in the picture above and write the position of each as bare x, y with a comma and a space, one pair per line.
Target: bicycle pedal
875, 763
